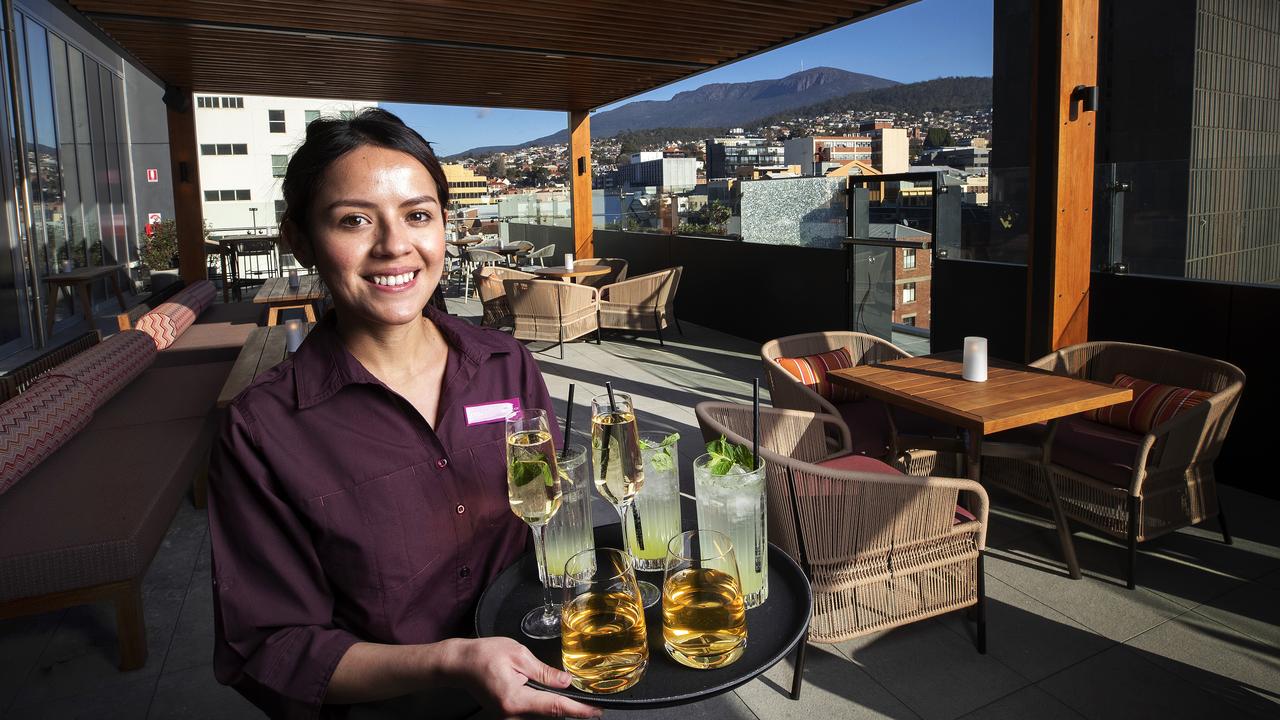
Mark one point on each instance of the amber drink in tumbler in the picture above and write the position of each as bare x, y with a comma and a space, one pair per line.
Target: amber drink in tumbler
704, 621
602, 634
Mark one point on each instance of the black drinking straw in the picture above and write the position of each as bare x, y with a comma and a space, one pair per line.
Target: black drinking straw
604, 450
568, 424
755, 425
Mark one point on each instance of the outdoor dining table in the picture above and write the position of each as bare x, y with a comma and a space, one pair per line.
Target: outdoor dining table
1013, 396
773, 630
465, 242
560, 272
263, 349
277, 295
79, 279
228, 251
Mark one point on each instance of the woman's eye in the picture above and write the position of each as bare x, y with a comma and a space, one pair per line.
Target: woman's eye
353, 221
419, 216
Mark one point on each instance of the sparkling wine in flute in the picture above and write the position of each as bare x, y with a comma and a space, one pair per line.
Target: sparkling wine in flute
615, 446
704, 621
532, 489
603, 643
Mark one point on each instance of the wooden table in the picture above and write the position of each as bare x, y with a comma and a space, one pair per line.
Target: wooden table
465, 242
263, 350
277, 295
228, 250
560, 272
80, 278
1013, 396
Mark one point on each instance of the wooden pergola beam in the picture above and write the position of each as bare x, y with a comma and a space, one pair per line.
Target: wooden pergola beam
580, 186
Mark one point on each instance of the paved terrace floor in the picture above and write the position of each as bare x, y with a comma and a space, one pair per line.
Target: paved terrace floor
1199, 638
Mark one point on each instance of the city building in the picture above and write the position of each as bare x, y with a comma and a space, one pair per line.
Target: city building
889, 149
819, 154
912, 274
466, 187
669, 174
727, 155
245, 144
964, 158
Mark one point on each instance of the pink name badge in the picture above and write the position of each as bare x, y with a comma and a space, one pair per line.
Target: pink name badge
491, 412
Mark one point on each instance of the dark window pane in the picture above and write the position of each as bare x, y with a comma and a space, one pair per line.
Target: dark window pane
240, 149
207, 150
227, 195
211, 195
224, 148
275, 115
242, 194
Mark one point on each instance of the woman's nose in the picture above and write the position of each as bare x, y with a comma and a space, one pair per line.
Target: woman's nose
393, 240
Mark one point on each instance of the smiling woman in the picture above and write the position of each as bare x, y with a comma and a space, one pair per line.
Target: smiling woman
355, 511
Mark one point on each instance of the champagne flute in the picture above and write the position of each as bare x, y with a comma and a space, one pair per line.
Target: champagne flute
615, 447
533, 490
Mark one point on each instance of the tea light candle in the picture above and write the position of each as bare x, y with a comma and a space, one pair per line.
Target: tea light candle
293, 335
568, 260
975, 359
293, 279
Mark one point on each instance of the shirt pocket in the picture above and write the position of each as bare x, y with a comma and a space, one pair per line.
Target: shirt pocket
386, 531
488, 472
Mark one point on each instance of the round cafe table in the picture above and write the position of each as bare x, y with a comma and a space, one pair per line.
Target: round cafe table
465, 242
773, 630
560, 272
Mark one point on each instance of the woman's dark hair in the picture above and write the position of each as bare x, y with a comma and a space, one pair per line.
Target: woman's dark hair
330, 138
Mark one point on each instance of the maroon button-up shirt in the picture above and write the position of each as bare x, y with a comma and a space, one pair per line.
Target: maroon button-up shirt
338, 514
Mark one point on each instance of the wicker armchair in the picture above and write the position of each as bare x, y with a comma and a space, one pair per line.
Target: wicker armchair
541, 254
493, 294
909, 440
476, 259
1132, 487
617, 271
881, 549
645, 303
552, 310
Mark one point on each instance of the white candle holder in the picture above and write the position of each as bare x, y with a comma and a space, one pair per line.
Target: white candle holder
975, 359
293, 335
568, 260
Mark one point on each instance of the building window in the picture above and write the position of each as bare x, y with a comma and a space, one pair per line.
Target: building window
309, 115
908, 293
225, 149
242, 194
908, 259
210, 101
275, 121
280, 206
211, 195
909, 320
225, 195
278, 165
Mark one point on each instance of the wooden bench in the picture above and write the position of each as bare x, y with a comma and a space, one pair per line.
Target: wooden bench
15, 381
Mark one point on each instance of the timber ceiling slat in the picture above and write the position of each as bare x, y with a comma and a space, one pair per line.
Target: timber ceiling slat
550, 54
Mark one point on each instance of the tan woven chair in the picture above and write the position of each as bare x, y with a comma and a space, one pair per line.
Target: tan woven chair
910, 440
552, 310
493, 294
1153, 484
880, 550
644, 303
541, 254
617, 271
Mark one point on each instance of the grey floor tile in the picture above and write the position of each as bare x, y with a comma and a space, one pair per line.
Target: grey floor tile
178, 551
1218, 660
833, 688
192, 639
1029, 702
1122, 683
122, 701
22, 640
1252, 610
1251, 516
195, 693
916, 661
1027, 635
728, 706
1102, 605
1192, 567
1272, 580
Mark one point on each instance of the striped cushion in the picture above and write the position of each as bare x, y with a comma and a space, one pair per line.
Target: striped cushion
170, 319
39, 421
811, 371
108, 366
1153, 404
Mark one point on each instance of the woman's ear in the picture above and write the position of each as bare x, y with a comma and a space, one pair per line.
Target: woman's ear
298, 243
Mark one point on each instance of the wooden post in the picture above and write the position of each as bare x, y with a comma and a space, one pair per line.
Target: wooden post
580, 187
1064, 93
184, 161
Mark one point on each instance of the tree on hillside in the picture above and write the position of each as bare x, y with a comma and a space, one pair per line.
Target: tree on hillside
937, 137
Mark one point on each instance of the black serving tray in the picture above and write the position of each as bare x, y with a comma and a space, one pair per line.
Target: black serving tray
773, 630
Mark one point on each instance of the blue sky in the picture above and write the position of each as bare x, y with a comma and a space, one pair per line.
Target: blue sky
929, 39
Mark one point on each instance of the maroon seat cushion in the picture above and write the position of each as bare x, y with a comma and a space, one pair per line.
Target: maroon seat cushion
862, 463
1099, 451
868, 426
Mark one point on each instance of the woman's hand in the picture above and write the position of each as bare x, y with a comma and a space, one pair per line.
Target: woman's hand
494, 671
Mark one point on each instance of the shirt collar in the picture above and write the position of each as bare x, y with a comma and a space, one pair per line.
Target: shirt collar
322, 365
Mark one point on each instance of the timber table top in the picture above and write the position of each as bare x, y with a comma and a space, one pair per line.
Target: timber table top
263, 350
82, 274
277, 290
1013, 395
579, 270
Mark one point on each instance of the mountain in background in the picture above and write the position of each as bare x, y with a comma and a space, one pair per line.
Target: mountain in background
718, 105
948, 93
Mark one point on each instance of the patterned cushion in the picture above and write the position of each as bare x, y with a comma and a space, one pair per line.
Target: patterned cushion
108, 366
169, 319
39, 421
811, 371
1153, 404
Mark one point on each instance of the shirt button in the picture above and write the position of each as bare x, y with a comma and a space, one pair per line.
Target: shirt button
464, 571
442, 463
462, 509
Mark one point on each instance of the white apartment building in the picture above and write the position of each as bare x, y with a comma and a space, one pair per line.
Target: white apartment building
245, 144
